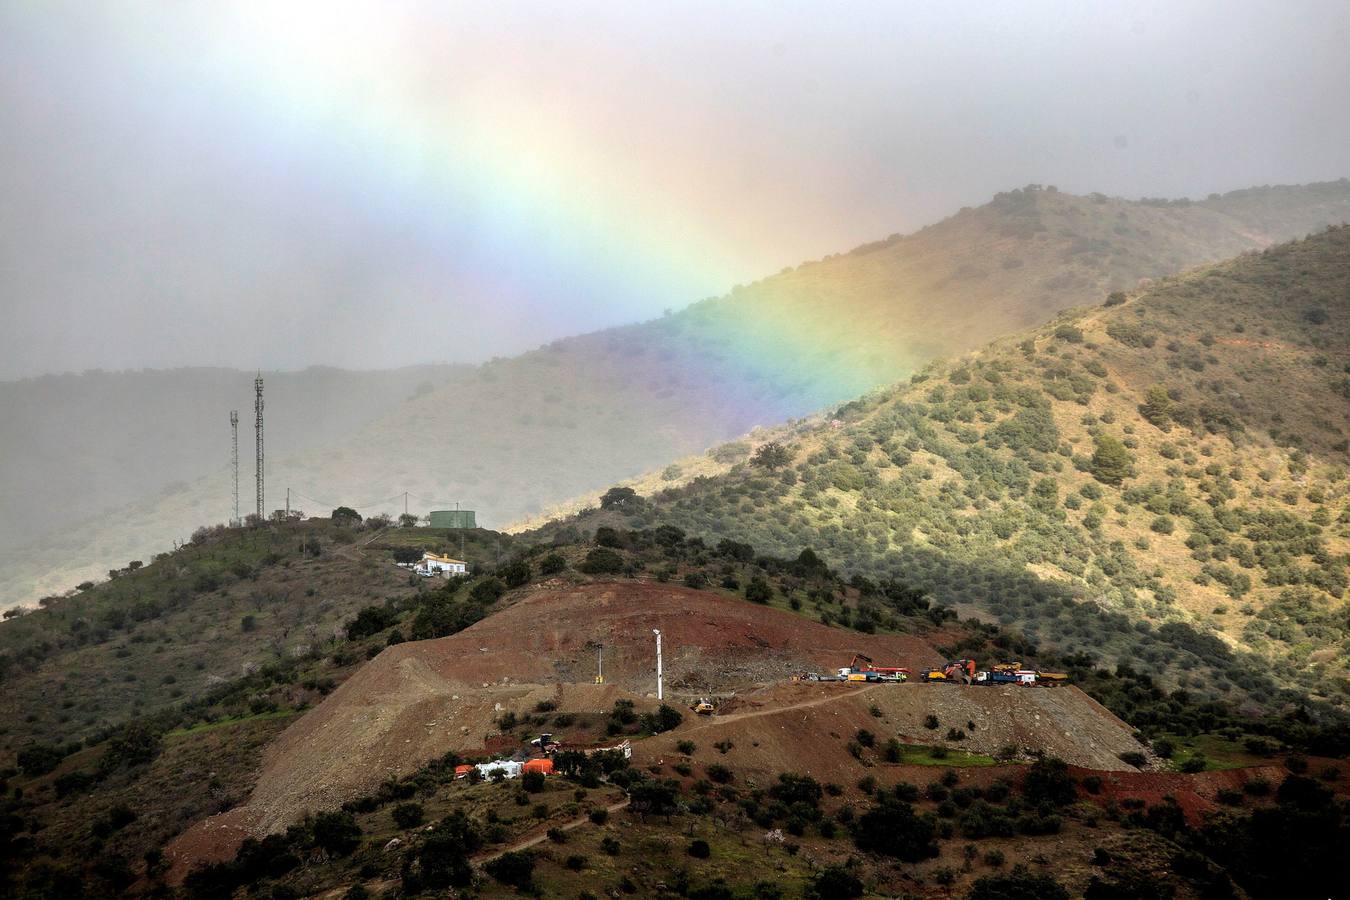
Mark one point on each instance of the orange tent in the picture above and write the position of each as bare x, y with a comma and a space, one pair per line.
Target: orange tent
461, 771
539, 765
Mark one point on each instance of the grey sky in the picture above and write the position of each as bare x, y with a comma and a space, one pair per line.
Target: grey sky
387, 184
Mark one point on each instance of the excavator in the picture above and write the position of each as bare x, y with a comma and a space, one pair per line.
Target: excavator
704, 707
958, 671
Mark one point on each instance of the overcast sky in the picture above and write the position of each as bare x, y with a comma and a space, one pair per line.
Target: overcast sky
286, 184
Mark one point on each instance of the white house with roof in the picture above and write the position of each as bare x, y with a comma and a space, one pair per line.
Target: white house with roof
431, 564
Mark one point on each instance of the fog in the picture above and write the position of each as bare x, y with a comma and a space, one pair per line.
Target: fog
281, 185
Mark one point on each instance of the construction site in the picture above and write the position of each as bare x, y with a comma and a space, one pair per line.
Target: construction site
741, 663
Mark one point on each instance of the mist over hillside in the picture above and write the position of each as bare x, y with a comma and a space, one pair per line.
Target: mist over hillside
519, 435
79, 445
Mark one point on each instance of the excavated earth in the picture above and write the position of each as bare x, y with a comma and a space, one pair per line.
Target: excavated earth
807, 727
418, 700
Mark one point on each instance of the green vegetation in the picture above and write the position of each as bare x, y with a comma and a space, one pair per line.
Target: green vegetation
1027, 486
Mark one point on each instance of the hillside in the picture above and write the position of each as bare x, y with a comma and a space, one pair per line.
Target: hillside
1159, 480
347, 765
522, 434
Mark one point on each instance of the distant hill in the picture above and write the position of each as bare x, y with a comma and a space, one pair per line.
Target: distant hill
77, 445
1158, 481
522, 434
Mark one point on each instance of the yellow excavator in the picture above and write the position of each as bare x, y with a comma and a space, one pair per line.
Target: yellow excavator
704, 707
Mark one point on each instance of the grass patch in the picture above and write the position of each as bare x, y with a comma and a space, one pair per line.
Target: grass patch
918, 755
232, 721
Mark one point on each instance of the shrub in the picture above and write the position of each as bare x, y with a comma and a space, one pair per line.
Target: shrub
408, 815
892, 828
532, 782
552, 564
1195, 764
599, 816
515, 868
758, 590
1134, 758
602, 561
1048, 781
370, 620
834, 883
719, 773
336, 832
699, 849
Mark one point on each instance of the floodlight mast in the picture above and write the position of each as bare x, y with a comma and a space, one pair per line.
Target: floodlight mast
660, 688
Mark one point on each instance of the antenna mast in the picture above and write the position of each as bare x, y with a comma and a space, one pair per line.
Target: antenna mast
258, 428
234, 460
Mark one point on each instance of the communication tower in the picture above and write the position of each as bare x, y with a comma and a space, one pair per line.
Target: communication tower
258, 428
234, 460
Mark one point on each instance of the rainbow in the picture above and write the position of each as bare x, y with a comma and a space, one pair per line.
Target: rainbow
547, 198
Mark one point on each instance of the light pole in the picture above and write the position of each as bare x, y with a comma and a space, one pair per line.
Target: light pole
660, 690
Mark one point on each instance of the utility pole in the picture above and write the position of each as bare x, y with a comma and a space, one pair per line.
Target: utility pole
234, 460
660, 688
288, 504
258, 430
600, 665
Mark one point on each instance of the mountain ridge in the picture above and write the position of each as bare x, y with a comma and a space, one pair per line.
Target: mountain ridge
583, 412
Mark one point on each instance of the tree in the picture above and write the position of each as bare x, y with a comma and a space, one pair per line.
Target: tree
443, 859
602, 561
758, 590
408, 815
1048, 780
407, 520
345, 515
552, 564
370, 620
771, 456
1111, 461
515, 868
621, 498
1019, 884
835, 883
515, 573
666, 718
336, 832
407, 555
39, 759
1157, 407
892, 828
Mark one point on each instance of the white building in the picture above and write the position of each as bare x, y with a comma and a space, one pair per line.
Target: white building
432, 564
509, 768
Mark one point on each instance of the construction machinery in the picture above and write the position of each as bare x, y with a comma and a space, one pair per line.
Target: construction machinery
1013, 673
957, 671
860, 668
704, 707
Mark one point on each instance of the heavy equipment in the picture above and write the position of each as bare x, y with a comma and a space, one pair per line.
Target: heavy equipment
957, 671
860, 668
704, 707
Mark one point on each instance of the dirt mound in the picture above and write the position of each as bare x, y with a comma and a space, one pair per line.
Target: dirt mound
418, 700
807, 727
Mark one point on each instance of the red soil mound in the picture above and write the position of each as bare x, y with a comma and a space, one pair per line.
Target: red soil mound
418, 700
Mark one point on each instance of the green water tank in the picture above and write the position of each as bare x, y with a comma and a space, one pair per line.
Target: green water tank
452, 518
